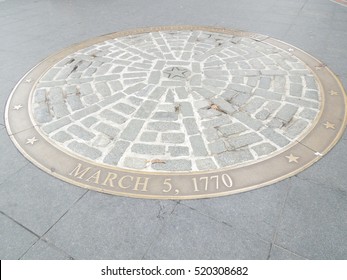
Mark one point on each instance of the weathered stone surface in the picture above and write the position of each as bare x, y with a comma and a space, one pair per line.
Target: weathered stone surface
84, 150
132, 130
174, 165
174, 138
81, 132
198, 145
148, 149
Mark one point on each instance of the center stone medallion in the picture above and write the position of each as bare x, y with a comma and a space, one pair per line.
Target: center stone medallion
177, 112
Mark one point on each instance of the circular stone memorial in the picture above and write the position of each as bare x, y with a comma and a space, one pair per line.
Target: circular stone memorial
177, 112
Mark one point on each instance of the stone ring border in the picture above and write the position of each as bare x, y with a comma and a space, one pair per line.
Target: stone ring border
325, 132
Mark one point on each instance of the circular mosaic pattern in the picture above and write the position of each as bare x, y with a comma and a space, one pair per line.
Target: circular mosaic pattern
177, 112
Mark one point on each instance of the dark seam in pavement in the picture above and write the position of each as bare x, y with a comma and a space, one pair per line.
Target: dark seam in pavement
18, 223
278, 222
50, 245
161, 229
40, 237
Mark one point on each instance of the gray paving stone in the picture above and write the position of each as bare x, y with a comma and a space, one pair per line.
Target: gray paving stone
136, 163
211, 134
60, 110
239, 141
198, 145
254, 104
217, 147
146, 109
191, 126
265, 82
216, 122
181, 92
163, 126
45, 251
52, 126
296, 90
157, 93
148, 136
84, 150
287, 112
40, 95
112, 116
89, 121
124, 108
132, 130
15, 239
295, 128
268, 95
74, 102
303, 103
148, 149
42, 114
134, 89
56, 95
186, 109
165, 116
177, 151
84, 112
115, 85
173, 165
241, 99
215, 243
317, 214
311, 94
203, 92
223, 105
264, 149
233, 157
263, 115
240, 88
108, 130
311, 82
174, 138
61, 136
308, 114
35, 199
117, 152
205, 164
275, 137
124, 235
248, 120
90, 99
103, 89
85, 89
80, 132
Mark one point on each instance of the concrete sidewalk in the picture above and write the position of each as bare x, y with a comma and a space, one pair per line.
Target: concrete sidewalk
41, 217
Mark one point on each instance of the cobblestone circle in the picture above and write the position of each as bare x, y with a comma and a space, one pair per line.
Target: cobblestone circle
177, 101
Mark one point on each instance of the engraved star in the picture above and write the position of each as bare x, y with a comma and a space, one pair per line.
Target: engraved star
292, 158
32, 140
28, 80
329, 125
290, 49
176, 72
333, 93
318, 154
17, 107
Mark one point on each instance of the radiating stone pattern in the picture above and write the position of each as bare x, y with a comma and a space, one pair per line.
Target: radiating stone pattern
177, 101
